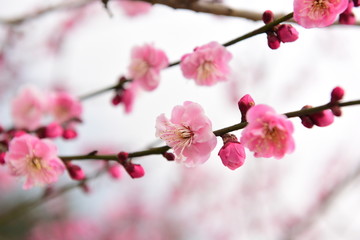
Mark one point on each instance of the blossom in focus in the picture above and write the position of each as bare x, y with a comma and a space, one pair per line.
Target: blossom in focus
134, 8
318, 13
146, 64
34, 158
232, 153
267, 134
188, 132
28, 108
64, 107
207, 65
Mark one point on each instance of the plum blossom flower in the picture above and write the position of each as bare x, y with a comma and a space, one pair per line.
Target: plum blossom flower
188, 132
34, 158
134, 8
64, 107
146, 64
28, 108
268, 134
207, 65
318, 13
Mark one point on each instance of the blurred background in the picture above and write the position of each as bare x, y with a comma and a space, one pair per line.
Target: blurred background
312, 193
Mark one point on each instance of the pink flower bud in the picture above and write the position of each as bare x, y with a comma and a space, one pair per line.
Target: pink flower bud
116, 100
245, 103
287, 33
347, 18
306, 121
69, 133
169, 156
356, 3
115, 171
268, 16
54, 130
75, 172
337, 94
122, 157
273, 41
232, 154
135, 170
323, 118
2, 158
336, 110
85, 187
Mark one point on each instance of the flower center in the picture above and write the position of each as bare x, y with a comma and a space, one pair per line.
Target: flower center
178, 136
205, 70
139, 68
35, 163
318, 9
274, 134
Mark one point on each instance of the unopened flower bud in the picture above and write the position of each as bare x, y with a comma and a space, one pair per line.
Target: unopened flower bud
348, 17
69, 133
245, 103
116, 100
123, 157
356, 3
323, 118
232, 154
336, 110
273, 41
85, 187
268, 16
169, 156
75, 172
306, 121
115, 171
337, 94
287, 33
2, 158
54, 130
135, 170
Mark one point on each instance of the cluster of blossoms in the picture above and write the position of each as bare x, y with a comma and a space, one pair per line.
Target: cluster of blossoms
207, 65
282, 33
267, 134
30, 106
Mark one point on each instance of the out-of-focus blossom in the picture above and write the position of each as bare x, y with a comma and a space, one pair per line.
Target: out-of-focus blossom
35, 159
207, 65
268, 134
64, 107
115, 171
65, 230
318, 13
129, 95
146, 64
188, 132
28, 108
53, 130
134, 8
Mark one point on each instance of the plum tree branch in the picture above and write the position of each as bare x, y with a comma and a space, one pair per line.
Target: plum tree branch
220, 132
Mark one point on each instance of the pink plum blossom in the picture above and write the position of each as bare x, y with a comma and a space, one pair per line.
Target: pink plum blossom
267, 134
188, 132
28, 108
134, 8
64, 107
34, 158
207, 65
318, 13
65, 230
146, 64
